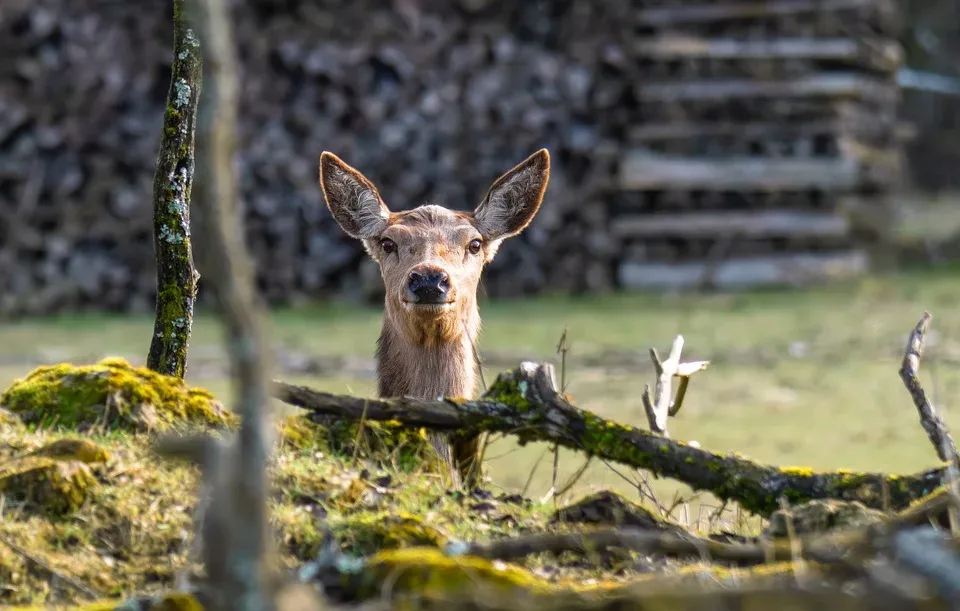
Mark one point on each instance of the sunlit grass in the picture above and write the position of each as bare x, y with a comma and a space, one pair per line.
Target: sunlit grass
836, 403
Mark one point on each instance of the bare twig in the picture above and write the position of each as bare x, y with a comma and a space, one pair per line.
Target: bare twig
936, 430
660, 406
172, 186
533, 470
930, 420
562, 351
573, 479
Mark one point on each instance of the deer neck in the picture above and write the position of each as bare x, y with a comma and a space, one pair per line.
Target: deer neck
426, 370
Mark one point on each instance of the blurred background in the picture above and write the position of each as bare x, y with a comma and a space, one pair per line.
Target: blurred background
775, 180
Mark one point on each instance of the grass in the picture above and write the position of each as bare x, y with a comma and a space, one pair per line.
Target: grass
806, 378
798, 377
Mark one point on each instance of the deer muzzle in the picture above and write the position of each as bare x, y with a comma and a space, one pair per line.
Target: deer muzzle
428, 286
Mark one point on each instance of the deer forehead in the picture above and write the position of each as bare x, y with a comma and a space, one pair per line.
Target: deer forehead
431, 227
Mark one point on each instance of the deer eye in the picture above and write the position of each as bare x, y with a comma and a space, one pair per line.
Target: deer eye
388, 245
474, 246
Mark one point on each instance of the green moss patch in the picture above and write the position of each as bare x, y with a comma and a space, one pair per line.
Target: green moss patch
50, 486
387, 442
113, 394
366, 534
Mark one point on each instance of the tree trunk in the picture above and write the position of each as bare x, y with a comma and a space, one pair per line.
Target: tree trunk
173, 182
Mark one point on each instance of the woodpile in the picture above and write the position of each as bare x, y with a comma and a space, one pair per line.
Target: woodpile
691, 141
431, 100
764, 144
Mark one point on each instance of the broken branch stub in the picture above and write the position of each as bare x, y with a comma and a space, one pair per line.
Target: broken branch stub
524, 403
660, 407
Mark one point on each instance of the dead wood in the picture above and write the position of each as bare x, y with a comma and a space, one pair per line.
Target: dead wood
842, 544
172, 188
674, 544
525, 403
661, 405
930, 420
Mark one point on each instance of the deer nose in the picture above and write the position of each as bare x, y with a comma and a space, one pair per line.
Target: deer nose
429, 286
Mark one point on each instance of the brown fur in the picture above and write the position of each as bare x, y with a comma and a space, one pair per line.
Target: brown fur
427, 351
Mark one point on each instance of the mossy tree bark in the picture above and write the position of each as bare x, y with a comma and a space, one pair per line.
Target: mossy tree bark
526, 404
172, 186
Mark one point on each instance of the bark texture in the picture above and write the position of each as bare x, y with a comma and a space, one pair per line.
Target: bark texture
525, 403
173, 183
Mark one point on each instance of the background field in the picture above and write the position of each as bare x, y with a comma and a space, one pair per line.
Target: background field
805, 378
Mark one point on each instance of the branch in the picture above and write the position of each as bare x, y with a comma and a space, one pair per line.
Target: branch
525, 403
234, 527
428, 578
631, 538
660, 407
818, 547
930, 420
172, 186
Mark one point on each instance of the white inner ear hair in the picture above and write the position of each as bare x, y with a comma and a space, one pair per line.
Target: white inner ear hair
358, 202
513, 196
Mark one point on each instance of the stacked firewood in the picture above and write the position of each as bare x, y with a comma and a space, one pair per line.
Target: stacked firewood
432, 101
765, 141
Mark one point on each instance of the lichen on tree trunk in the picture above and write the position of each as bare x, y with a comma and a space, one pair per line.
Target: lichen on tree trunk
173, 182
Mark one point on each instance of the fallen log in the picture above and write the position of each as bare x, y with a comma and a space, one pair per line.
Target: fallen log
526, 403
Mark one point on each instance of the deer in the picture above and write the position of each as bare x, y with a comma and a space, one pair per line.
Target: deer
431, 259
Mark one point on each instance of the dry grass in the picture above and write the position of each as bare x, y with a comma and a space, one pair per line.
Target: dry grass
797, 378
805, 378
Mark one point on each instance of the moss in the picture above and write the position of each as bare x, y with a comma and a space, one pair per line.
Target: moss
53, 486
173, 115
176, 601
112, 393
8, 418
83, 450
432, 574
367, 534
508, 391
384, 442
797, 471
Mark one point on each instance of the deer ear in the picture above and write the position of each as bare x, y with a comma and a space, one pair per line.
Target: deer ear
514, 198
353, 201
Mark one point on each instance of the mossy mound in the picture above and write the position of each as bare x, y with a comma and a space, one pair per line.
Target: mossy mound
367, 534
821, 516
111, 393
51, 486
432, 574
71, 448
385, 442
611, 509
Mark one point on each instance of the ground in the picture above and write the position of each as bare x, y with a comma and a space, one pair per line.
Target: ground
799, 378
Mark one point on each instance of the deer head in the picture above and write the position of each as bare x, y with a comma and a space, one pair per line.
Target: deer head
431, 257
